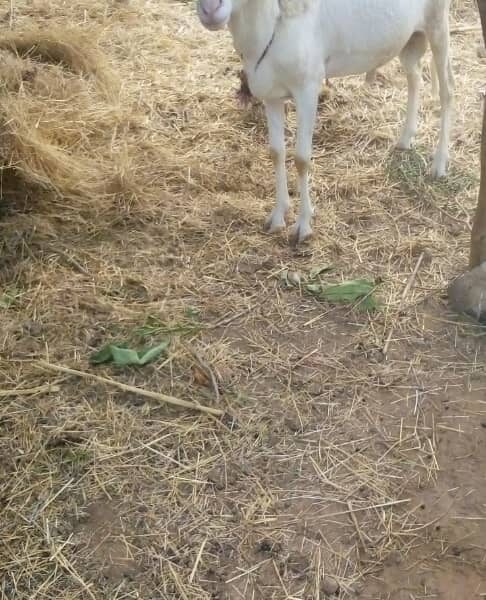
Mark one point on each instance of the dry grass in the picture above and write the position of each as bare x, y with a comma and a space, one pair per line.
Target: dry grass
134, 190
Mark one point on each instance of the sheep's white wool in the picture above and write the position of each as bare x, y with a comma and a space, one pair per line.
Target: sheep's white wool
293, 8
320, 39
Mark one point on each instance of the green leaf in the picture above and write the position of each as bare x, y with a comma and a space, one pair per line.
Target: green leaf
355, 291
101, 356
9, 297
192, 312
314, 288
150, 354
122, 356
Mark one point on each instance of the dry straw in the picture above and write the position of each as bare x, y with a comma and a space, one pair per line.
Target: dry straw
133, 193
43, 95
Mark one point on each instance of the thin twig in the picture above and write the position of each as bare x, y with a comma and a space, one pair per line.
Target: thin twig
429, 523
71, 261
369, 507
465, 28
225, 321
247, 571
405, 292
228, 319
198, 559
68, 566
34, 391
207, 370
131, 388
52, 498
177, 582
356, 525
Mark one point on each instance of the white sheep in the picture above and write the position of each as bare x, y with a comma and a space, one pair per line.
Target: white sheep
289, 47
245, 97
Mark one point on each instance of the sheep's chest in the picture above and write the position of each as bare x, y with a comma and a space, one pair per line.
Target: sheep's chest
270, 81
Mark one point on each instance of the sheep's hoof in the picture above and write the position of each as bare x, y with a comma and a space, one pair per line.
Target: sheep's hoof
467, 294
370, 78
439, 167
274, 223
403, 145
299, 234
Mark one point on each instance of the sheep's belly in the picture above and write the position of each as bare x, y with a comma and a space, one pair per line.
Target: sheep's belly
341, 65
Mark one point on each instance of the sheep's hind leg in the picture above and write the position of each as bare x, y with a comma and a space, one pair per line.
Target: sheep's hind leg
439, 42
410, 58
370, 77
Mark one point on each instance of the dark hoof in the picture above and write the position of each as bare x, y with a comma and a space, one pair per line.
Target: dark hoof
299, 235
270, 227
467, 294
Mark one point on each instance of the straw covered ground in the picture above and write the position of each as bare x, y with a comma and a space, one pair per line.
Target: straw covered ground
349, 461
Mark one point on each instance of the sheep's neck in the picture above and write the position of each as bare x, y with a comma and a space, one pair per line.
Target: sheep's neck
253, 28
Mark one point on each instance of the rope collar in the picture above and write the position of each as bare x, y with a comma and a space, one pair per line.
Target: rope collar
269, 45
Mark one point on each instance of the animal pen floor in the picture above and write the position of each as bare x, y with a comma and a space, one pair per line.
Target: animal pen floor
135, 213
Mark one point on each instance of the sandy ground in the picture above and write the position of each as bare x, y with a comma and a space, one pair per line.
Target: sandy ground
336, 471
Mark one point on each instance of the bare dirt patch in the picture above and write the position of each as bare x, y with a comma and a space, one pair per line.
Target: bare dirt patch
101, 534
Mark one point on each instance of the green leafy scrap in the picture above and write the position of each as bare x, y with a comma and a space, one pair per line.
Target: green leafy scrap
122, 356
355, 291
319, 270
9, 297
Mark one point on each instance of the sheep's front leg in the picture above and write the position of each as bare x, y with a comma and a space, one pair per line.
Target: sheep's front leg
306, 106
275, 111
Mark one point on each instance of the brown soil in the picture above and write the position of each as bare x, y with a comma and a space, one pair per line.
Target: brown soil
336, 472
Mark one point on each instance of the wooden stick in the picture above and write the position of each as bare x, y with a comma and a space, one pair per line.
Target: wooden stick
408, 287
131, 388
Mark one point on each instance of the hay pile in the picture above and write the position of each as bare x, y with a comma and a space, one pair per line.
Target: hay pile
58, 115
74, 144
